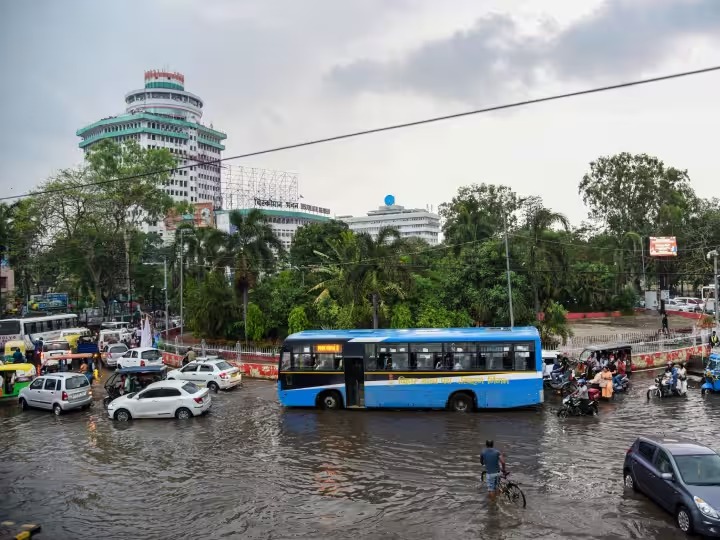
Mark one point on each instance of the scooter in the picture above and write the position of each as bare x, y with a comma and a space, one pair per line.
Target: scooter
622, 385
662, 389
571, 407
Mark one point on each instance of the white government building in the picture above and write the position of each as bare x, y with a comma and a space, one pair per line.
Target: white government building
410, 222
164, 115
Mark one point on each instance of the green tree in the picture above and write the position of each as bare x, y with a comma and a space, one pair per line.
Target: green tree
128, 181
250, 252
401, 317
554, 327
211, 306
637, 193
297, 320
311, 238
255, 325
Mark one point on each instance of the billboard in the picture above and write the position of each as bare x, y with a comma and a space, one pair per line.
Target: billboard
48, 302
663, 246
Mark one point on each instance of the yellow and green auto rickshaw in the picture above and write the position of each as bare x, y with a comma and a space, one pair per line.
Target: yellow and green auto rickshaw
11, 347
13, 378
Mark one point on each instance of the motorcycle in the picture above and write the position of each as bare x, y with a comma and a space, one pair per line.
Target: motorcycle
662, 389
571, 407
564, 385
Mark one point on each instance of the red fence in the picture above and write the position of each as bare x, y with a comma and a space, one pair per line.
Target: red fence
250, 366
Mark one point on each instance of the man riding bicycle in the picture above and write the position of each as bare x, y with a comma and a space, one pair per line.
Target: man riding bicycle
494, 463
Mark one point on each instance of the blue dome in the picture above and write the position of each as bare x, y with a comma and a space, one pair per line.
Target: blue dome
389, 200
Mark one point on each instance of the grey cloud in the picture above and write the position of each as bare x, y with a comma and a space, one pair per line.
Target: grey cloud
622, 37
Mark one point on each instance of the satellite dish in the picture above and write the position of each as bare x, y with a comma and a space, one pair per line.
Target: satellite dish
389, 200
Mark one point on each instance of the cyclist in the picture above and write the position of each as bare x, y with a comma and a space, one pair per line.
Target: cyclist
494, 463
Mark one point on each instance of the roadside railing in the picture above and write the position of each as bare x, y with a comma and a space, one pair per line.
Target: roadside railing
236, 353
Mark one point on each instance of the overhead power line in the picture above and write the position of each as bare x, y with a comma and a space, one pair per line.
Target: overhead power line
393, 127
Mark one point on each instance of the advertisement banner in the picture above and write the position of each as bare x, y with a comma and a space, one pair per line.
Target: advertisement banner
663, 246
48, 302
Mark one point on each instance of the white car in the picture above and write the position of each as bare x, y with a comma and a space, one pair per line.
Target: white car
212, 372
140, 357
58, 392
162, 399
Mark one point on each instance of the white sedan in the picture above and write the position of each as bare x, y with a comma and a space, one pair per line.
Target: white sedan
213, 372
140, 357
162, 399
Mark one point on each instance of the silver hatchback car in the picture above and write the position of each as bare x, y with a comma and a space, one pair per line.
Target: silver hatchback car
58, 392
115, 351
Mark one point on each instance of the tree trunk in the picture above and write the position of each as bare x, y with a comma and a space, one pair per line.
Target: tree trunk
376, 321
536, 297
245, 306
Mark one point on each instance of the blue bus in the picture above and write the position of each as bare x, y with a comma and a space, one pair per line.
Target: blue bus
460, 369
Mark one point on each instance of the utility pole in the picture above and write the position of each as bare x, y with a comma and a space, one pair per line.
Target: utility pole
507, 265
167, 327
182, 271
642, 254
714, 255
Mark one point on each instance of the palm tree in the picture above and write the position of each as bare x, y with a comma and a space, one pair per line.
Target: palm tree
540, 252
250, 250
469, 225
339, 278
382, 272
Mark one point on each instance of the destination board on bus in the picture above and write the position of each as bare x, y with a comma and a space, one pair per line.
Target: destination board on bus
334, 348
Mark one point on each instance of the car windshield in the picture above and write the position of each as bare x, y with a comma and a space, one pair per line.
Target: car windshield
118, 349
76, 382
223, 365
191, 388
703, 470
56, 346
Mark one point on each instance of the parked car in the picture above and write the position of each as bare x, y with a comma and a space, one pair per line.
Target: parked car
140, 357
212, 372
681, 476
115, 351
59, 392
163, 399
687, 304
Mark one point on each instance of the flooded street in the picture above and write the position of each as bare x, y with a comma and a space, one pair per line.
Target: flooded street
252, 470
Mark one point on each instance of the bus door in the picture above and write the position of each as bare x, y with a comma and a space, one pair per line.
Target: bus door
354, 363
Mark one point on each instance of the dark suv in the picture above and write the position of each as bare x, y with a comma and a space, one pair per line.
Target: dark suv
682, 476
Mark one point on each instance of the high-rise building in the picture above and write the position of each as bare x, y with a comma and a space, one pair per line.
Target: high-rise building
164, 115
410, 222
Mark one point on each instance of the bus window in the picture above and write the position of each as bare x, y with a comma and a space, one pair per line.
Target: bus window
371, 360
492, 357
462, 355
302, 358
425, 355
9, 327
393, 357
524, 358
285, 364
327, 361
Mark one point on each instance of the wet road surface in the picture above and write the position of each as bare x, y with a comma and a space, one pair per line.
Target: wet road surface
252, 470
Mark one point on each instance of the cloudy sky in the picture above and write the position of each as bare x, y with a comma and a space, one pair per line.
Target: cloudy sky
275, 72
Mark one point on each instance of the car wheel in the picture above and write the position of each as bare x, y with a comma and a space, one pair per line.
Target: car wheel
122, 415
57, 409
183, 414
684, 520
629, 481
213, 386
23, 404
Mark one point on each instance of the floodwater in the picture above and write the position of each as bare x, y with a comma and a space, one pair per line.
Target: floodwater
252, 470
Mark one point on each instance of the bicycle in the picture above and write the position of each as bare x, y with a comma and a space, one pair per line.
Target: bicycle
510, 490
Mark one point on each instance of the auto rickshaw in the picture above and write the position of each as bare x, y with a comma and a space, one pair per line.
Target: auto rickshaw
711, 375
139, 377
15, 377
618, 350
11, 347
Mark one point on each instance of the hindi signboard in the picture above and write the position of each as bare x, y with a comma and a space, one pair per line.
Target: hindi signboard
663, 246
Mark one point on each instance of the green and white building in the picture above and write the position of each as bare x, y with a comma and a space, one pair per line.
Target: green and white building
164, 115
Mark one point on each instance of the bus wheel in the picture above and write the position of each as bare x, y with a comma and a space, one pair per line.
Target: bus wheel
330, 401
461, 402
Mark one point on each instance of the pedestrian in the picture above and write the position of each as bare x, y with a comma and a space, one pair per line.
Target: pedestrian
714, 340
494, 463
665, 326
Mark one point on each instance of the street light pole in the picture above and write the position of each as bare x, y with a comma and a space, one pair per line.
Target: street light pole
182, 271
507, 265
714, 255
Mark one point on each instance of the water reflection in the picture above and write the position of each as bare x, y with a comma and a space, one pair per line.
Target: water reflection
253, 470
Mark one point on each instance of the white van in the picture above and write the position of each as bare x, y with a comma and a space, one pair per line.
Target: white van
115, 325
108, 336
549, 358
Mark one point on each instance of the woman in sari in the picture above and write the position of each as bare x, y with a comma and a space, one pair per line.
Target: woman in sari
606, 384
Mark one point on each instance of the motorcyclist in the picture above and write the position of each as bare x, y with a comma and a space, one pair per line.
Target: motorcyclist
557, 371
582, 396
